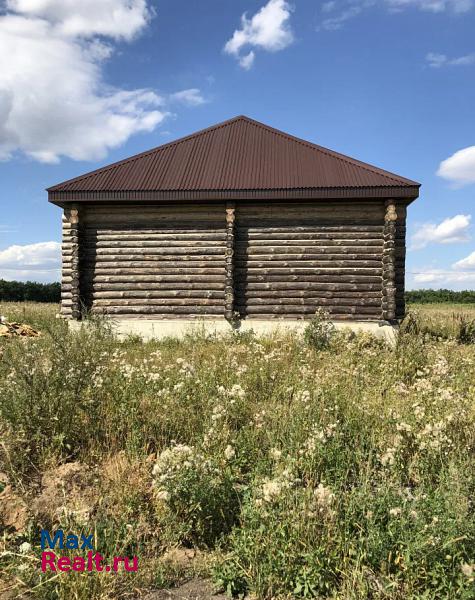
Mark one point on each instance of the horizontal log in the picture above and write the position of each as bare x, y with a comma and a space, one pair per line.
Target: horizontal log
196, 317
152, 258
334, 277
192, 302
152, 217
309, 205
155, 235
320, 234
343, 222
148, 208
152, 278
244, 263
173, 285
164, 310
218, 263
88, 272
217, 250
296, 309
314, 228
165, 294
321, 277
319, 284
306, 254
311, 302
307, 317
184, 225
169, 244
242, 294
308, 240
153, 220
335, 251
114, 231
364, 267
317, 214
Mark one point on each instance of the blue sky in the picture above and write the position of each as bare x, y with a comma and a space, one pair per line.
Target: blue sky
390, 82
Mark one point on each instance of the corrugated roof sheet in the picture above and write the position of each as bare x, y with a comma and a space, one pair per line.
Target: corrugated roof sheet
239, 154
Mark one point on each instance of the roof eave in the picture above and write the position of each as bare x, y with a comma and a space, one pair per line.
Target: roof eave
408, 193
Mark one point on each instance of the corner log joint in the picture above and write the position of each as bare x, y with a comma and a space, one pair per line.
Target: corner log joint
71, 292
229, 262
389, 270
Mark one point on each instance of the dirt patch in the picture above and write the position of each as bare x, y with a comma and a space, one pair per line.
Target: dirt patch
195, 589
68, 490
14, 512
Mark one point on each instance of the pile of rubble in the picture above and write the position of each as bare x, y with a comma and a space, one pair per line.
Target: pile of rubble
16, 329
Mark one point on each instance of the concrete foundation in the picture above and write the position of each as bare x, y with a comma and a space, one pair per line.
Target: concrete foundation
160, 328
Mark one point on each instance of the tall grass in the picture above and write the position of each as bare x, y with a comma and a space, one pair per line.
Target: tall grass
345, 470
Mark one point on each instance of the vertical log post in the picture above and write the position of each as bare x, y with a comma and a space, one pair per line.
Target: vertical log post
75, 273
389, 254
229, 255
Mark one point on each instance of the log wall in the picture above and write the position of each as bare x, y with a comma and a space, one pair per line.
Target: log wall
258, 260
161, 261
291, 259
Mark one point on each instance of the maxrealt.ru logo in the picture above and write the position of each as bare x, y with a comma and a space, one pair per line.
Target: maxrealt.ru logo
92, 561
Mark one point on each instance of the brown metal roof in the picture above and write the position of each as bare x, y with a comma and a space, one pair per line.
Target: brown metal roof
237, 158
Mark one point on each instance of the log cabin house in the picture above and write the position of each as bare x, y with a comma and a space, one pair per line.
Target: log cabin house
237, 223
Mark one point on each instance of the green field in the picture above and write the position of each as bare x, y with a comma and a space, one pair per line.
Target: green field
329, 467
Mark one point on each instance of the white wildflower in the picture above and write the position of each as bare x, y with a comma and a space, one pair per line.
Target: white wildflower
25, 548
272, 488
388, 458
323, 496
229, 452
468, 570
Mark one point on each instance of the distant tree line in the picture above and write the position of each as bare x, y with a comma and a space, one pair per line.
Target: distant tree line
436, 296
19, 291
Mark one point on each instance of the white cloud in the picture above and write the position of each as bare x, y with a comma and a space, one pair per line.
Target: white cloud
190, 97
436, 61
268, 30
53, 100
38, 262
337, 12
444, 278
344, 12
457, 6
118, 19
459, 276
450, 231
247, 60
460, 167
466, 263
